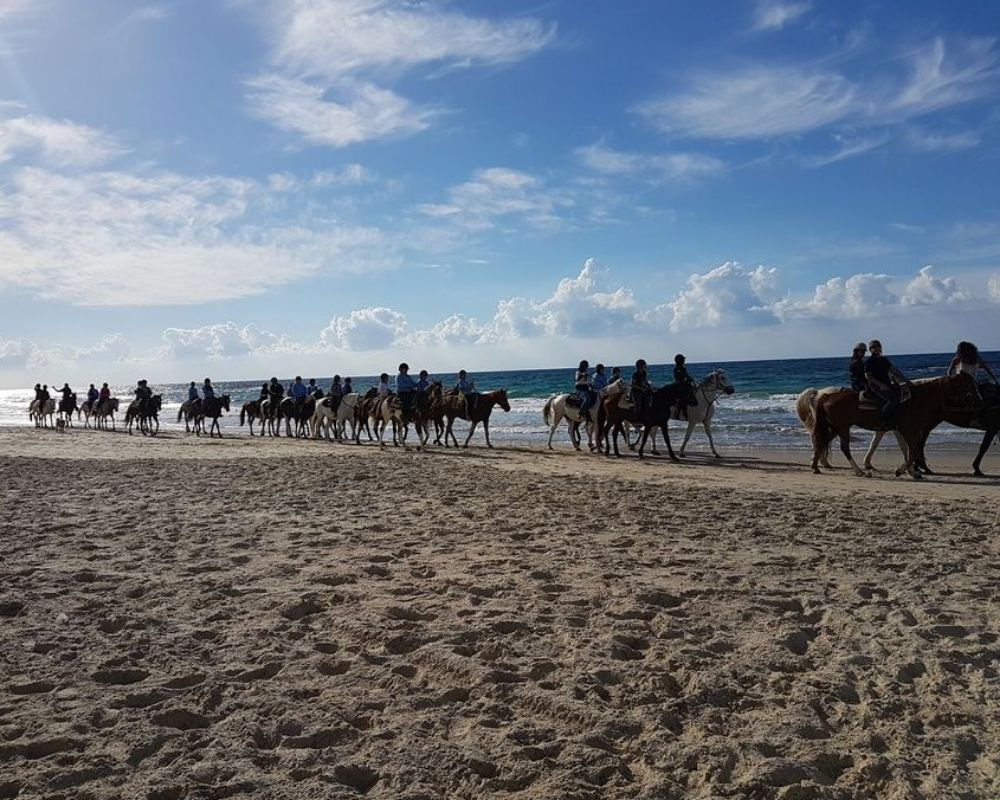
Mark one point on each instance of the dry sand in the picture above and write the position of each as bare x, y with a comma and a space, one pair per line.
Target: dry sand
180, 618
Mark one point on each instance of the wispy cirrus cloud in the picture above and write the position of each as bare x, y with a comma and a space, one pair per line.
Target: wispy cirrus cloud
332, 59
773, 15
658, 168
56, 142
764, 101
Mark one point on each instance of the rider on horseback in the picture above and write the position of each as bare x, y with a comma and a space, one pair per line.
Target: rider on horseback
275, 391
406, 387
209, 394
424, 383
883, 381
581, 384
143, 394
856, 368
348, 389
67, 396
968, 360
467, 388
314, 390
103, 396
683, 378
92, 395
599, 381
336, 393
640, 388
299, 391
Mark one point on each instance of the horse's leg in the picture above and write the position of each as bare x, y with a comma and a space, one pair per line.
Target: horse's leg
876, 440
666, 438
552, 429
486, 432
472, 429
687, 435
642, 440
845, 448
707, 425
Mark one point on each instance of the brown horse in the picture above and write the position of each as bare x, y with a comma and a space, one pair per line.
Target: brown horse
930, 403
656, 414
251, 411
210, 408
454, 406
106, 410
982, 419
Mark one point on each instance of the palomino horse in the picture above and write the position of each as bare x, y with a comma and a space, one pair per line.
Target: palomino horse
454, 407
189, 410
146, 413
560, 406
612, 416
986, 419
251, 411
106, 410
929, 404
43, 417
210, 408
300, 412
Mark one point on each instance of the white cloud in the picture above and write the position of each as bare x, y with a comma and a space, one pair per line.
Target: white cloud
16, 353
360, 112
728, 295
852, 297
657, 168
223, 340
927, 289
772, 15
57, 142
115, 238
768, 101
495, 194
849, 147
365, 329
331, 58
456, 329
930, 141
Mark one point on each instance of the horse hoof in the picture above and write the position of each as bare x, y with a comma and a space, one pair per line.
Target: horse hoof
978, 473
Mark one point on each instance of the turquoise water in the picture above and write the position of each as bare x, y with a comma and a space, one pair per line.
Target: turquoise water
760, 414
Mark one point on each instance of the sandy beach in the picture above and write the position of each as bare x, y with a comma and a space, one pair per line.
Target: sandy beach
182, 618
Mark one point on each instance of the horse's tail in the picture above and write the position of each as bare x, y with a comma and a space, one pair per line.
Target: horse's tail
547, 410
243, 415
822, 430
599, 425
180, 413
805, 405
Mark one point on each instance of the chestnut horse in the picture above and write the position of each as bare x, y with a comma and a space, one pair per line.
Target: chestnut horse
929, 404
210, 408
455, 407
656, 414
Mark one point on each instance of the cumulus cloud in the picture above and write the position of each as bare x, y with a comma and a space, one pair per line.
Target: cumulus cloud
927, 289
855, 296
223, 340
365, 329
729, 295
350, 48
16, 353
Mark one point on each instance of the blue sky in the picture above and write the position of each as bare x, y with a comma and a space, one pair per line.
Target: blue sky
248, 187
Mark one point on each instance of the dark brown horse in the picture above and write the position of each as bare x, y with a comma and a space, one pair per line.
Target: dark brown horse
454, 406
986, 419
300, 412
251, 411
146, 413
106, 410
611, 416
929, 405
210, 408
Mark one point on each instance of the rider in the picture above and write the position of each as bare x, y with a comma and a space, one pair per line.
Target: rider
314, 390
67, 396
92, 395
683, 377
467, 388
856, 369
406, 387
599, 381
263, 392
299, 391
348, 389
616, 374
640, 387
968, 360
143, 394
275, 391
193, 393
43, 397
581, 384
104, 395
883, 379
424, 383
207, 390
383, 390
336, 392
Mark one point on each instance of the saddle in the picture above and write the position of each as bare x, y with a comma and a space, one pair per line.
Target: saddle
573, 401
869, 400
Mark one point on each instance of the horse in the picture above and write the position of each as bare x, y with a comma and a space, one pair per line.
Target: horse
251, 411
390, 409
430, 410
986, 419
39, 415
454, 406
210, 408
87, 409
562, 406
190, 409
612, 415
146, 412
930, 402
708, 390
105, 410
67, 408
300, 412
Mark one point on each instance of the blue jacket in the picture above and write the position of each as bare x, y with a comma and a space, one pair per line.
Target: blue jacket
192, 393
466, 386
300, 391
405, 383
208, 391
423, 384
599, 382
92, 395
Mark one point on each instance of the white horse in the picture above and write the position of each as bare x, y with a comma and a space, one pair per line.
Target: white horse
388, 410
711, 387
43, 417
325, 418
556, 409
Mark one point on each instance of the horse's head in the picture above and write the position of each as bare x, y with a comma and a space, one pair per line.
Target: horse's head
717, 379
157, 401
501, 398
225, 401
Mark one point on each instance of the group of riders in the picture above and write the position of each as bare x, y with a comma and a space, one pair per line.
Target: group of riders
877, 376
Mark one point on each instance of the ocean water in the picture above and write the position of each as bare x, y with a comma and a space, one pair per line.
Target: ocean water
760, 414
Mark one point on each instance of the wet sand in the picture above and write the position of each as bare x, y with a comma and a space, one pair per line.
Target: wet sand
280, 619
